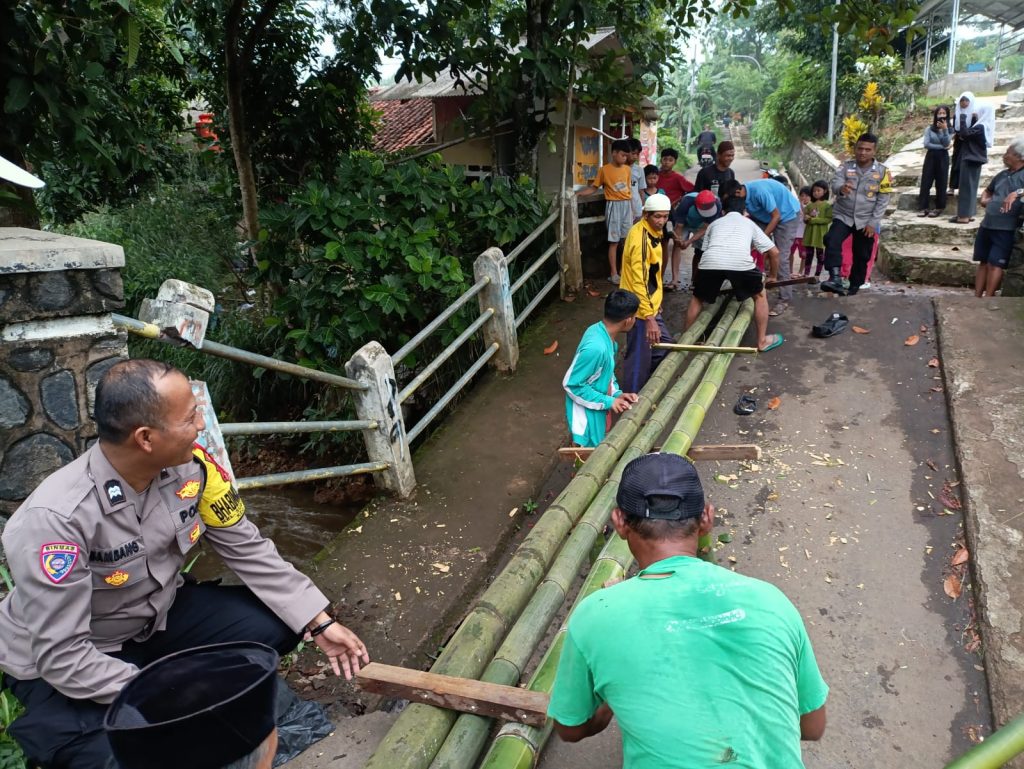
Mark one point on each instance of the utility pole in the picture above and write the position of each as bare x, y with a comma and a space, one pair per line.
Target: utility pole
693, 90
832, 87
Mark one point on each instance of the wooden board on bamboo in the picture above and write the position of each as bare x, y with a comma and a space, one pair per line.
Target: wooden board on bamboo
696, 453
466, 695
704, 348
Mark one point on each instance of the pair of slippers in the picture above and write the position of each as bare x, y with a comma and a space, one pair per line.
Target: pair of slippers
835, 324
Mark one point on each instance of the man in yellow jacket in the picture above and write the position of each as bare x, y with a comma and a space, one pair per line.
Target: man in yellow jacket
641, 275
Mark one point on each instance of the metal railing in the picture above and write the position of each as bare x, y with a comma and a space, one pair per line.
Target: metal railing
377, 394
151, 331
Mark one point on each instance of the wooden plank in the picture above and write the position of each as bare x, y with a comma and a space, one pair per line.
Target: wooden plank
725, 451
466, 695
696, 453
704, 348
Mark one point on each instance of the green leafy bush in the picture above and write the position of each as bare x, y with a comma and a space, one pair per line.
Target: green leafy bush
797, 108
897, 88
11, 756
378, 251
182, 230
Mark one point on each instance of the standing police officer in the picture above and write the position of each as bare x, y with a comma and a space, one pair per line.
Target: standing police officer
862, 187
97, 551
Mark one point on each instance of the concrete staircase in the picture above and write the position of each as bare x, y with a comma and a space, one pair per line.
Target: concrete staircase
934, 250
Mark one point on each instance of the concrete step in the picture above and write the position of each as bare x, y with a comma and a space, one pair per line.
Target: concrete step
935, 264
909, 228
906, 200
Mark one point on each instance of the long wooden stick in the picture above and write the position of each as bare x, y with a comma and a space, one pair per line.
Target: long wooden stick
704, 348
791, 282
463, 694
695, 453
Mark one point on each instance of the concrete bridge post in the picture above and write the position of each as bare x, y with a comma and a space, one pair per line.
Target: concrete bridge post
569, 244
56, 341
372, 366
501, 328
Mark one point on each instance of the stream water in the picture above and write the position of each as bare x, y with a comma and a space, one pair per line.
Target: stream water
290, 517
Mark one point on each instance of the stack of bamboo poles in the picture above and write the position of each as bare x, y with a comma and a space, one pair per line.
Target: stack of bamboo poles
517, 746
417, 740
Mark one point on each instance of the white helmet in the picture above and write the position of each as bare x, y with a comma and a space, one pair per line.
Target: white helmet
657, 202
17, 175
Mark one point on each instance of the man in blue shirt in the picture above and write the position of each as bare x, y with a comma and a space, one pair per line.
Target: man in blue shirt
776, 209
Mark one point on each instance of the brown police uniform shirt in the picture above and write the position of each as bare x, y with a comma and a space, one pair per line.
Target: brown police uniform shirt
96, 565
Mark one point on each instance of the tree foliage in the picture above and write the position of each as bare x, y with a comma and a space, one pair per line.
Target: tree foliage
92, 93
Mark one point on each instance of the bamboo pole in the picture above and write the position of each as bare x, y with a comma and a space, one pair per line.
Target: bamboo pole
467, 737
997, 749
417, 734
519, 748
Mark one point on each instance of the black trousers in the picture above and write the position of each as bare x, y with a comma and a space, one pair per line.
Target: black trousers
935, 171
862, 246
57, 732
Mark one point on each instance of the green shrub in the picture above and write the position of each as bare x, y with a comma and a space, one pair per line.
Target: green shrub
797, 108
11, 756
181, 230
378, 251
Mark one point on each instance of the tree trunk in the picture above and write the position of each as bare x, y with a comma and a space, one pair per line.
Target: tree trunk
235, 78
27, 214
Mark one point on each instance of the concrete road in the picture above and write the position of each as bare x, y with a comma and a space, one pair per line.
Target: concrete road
843, 515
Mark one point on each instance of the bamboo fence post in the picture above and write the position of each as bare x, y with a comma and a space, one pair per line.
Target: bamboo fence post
517, 746
416, 736
468, 735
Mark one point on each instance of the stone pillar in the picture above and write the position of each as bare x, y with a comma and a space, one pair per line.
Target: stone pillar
501, 328
572, 261
1013, 278
56, 341
372, 366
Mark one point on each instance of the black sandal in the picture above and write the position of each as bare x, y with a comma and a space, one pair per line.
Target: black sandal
745, 406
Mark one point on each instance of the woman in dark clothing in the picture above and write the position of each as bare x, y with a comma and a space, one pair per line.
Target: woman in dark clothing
936, 163
975, 129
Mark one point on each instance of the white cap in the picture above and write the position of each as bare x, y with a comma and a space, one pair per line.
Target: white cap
657, 202
18, 175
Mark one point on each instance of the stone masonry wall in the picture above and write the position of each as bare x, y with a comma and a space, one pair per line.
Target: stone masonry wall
808, 163
56, 340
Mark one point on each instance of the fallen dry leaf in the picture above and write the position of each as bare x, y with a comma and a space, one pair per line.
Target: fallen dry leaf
952, 586
936, 389
859, 330
442, 567
593, 293
924, 329
774, 403
912, 340
932, 465
960, 556
933, 363
551, 348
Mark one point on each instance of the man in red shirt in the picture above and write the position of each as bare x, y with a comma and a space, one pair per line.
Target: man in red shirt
675, 185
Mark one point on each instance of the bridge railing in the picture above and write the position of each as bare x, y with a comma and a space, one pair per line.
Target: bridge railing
378, 396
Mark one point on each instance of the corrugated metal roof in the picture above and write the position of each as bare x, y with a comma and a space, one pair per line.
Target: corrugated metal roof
444, 85
1009, 12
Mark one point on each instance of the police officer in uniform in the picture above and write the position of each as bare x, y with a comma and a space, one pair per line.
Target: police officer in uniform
97, 550
862, 187
205, 708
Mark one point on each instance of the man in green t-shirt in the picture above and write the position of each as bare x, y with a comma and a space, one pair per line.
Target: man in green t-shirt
700, 666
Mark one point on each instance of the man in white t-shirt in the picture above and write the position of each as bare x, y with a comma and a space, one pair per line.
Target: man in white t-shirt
726, 256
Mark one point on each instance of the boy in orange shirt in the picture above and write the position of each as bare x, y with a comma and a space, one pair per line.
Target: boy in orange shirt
614, 178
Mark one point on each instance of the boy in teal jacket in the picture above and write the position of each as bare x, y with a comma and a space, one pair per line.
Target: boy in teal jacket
591, 391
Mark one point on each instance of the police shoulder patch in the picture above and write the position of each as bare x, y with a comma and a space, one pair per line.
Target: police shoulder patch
115, 492
57, 559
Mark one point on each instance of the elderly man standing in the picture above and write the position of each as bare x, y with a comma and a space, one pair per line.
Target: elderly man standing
1004, 203
862, 187
97, 551
642, 277
701, 666
776, 209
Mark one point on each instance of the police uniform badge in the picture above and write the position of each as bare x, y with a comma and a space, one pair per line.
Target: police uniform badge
115, 494
57, 560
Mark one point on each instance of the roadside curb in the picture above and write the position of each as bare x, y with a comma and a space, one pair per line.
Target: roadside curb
981, 344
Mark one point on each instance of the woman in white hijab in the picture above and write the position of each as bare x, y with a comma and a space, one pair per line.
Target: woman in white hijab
975, 127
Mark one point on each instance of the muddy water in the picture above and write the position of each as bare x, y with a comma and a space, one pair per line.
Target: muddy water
290, 517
